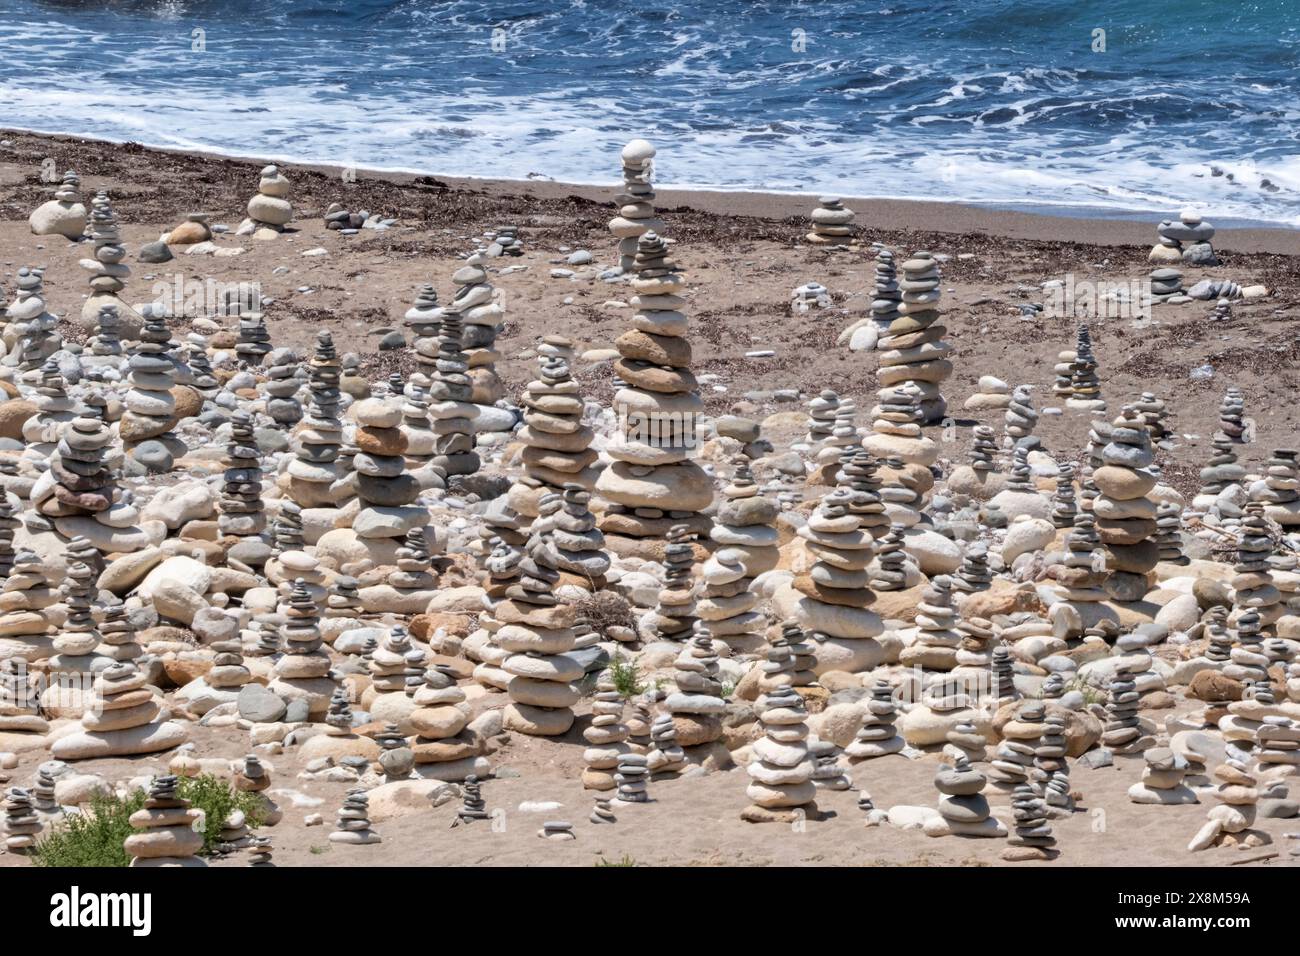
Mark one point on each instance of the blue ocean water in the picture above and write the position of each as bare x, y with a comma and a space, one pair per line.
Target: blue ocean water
1006, 102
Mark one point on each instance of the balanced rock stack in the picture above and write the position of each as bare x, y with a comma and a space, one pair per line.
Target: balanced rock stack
64, 215
1252, 582
1126, 518
652, 484
1064, 504
832, 596
443, 747
822, 412
1238, 795
424, 319
1081, 579
303, 672
20, 824
308, 478
665, 758
888, 297
937, 639
832, 223
1085, 387
385, 492
270, 210
452, 410
1187, 240
1280, 493
697, 706
790, 660
537, 630
913, 351
674, 616
963, 808
1122, 732
636, 212
1020, 419
1221, 473
809, 296
417, 427
1032, 839
991, 394
478, 306
576, 543
877, 736
557, 445
121, 720
105, 346
31, 333
606, 736
502, 566
108, 271
1162, 779
22, 728
747, 546
253, 343
352, 826
896, 431
780, 770
240, 511
82, 483
150, 407
1231, 415
170, 835
281, 386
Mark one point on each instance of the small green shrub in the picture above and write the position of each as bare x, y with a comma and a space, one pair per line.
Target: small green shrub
626, 860
626, 676
217, 799
93, 837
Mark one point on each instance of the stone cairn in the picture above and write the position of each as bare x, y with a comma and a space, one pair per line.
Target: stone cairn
832, 223
557, 445
252, 777
1126, 518
21, 824
665, 758
169, 836
673, 618
503, 573
606, 736
697, 705
281, 387
834, 594
105, 346
1121, 732
632, 778
1162, 779
64, 215
1187, 240
746, 541
1064, 504
1280, 493
451, 407
477, 304
780, 770
937, 638
576, 543
890, 573
270, 210
424, 319
1032, 838
963, 808
1252, 582
121, 719
1231, 415
32, 329
914, 352
385, 492
440, 721
636, 212
537, 631
108, 271
150, 407
253, 343
887, 296
352, 826
790, 660
473, 806
1167, 286
1222, 311
318, 436
983, 449
1155, 416
241, 514
22, 728
303, 672
822, 412
1220, 473
974, 573
652, 482
1085, 386
1238, 796
810, 296
877, 737
1020, 419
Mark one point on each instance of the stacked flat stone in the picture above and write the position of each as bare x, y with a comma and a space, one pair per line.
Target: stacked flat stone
43, 790
270, 210
1222, 311
21, 824
105, 345
74, 648
606, 736
827, 772
1126, 518
1032, 838
451, 409
557, 445
1121, 732
282, 384
832, 223
311, 473
937, 638
424, 319
974, 573
1247, 660
821, 418
791, 660
1169, 539
983, 449
858, 478
1280, 493
1020, 418
202, 378
1187, 240
538, 632
877, 737
64, 215
240, 511
809, 296
1231, 412
1154, 415
896, 430
503, 572
673, 617
991, 394
33, 329
1021, 478
150, 407
1238, 796
697, 705
339, 714
780, 770
576, 542
253, 342
1252, 582
473, 806
843, 438
352, 825
1277, 742
108, 271
22, 728
477, 304
303, 672
636, 212
1220, 473
1050, 751
170, 836
83, 484
835, 593
914, 351
962, 805
416, 426
887, 297
652, 477
975, 652
442, 744
121, 719
891, 560
744, 529
286, 529
25, 593
1162, 779
1002, 675
385, 491
1085, 387
632, 777
666, 756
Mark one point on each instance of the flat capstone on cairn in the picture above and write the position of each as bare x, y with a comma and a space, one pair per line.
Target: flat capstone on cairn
270, 210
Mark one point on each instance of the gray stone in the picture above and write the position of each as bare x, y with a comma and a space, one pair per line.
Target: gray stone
259, 705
